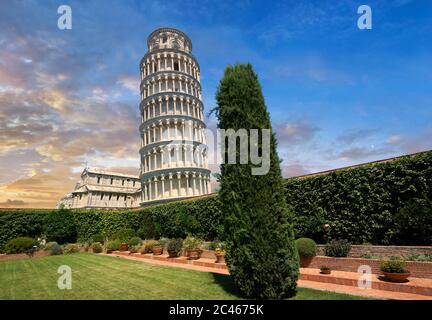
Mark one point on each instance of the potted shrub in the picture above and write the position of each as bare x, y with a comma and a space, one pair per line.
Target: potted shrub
307, 250
147, 247
220, 252
395, 271
159, 246
112, 245
325, 270
174, 247
96, 247
133, 249
134, 241
124, 246
71, 248
124, 235
192, 246
338, 248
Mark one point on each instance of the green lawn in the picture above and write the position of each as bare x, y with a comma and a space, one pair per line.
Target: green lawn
102, 277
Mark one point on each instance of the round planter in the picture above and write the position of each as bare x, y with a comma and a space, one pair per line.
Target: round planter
396, 277
124, 247
305, 261
157, 250
172, 254
220, 258
193, 254
325, 271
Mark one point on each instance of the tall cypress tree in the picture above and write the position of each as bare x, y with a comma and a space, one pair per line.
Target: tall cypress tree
261, 253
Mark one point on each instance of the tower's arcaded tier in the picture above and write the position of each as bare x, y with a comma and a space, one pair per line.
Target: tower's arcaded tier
173, 147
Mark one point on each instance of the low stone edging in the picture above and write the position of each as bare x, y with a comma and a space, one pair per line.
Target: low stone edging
386, 251
20, 256
418, 269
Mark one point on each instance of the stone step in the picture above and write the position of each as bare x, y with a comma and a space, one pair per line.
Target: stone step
416, 286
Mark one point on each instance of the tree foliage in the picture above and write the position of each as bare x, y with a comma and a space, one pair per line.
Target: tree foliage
261, 253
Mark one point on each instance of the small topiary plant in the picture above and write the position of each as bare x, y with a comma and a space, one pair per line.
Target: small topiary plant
306, 247
20, 245
96, 247
338, 248
71, 248
393, 266
134, 241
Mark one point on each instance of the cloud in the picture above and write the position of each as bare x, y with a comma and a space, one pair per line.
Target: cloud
12, 204
298, 132
421, 141
293, 170
130, 83
354, 135
359, 153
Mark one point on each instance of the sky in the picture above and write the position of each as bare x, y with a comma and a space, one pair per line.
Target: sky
337, 95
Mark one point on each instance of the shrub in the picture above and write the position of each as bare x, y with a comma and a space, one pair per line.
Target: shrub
20, 245
56, 249
133, 249
49, 245
98, 238
60, 227
338, 248
113, 245
175, 245
163, 241
148, 228
254, 210
70, 248
306, 247
393, 266
191, 243
148, 246
124, 235
134, 241
96, 247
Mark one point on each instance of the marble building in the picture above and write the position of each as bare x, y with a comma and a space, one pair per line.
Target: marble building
99, 188
173, 145
173, 149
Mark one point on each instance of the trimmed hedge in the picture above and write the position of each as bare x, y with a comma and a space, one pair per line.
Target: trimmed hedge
381, 203
200, 217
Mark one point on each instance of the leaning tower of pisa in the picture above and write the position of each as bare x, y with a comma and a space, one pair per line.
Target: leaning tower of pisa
173, 147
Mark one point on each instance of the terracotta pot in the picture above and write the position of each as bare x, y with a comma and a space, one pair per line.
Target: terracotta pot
124, 247
193, 254
157, 250
305, 261
396, 277
172, 254
220, 258
325, 271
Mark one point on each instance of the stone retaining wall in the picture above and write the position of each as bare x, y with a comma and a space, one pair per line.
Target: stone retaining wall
357, 251
417, 269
